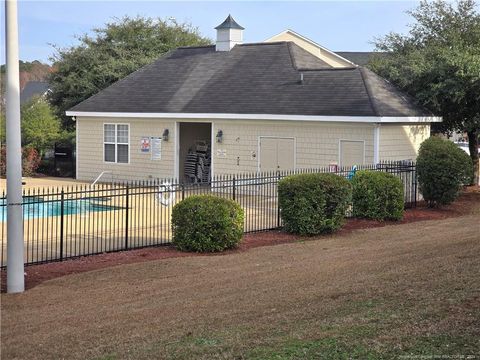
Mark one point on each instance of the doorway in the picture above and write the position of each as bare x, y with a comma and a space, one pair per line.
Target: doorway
195, 152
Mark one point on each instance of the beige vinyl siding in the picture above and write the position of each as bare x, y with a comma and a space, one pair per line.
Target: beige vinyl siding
401, 142
90, 161
317, 143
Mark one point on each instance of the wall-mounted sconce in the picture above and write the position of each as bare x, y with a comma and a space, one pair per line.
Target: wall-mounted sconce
220, 136
165, 134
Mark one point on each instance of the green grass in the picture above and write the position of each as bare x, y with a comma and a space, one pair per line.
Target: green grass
438, 345
108, 357
328, 348
352, 332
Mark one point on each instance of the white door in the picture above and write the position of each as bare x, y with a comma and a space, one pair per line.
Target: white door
277, 154
352, 153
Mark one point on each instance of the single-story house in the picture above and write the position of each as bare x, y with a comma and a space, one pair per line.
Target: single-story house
286, 103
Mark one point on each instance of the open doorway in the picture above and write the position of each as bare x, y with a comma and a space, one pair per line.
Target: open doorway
195, 152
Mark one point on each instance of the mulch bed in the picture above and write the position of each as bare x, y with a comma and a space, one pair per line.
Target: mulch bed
36, 274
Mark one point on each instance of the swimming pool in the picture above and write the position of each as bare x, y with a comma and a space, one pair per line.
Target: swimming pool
36, 207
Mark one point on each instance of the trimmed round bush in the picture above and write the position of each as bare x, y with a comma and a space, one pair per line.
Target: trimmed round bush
313, 204
207, 223
377, 195
442, 168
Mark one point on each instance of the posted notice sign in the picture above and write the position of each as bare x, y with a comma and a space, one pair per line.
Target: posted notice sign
145, 144
156, 145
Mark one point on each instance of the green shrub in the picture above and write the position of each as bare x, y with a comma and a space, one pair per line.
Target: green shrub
206, 223
442, 169
377, 195
313, 203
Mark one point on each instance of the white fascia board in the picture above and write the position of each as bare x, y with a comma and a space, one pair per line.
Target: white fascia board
315, 118
410, 119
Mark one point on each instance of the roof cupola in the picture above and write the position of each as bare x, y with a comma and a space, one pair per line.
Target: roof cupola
229, 34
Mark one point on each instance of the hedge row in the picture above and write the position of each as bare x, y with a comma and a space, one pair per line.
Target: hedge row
313, 203
207, 223
377, 195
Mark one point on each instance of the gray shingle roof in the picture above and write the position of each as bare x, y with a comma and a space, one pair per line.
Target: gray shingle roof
31, 89
259, 78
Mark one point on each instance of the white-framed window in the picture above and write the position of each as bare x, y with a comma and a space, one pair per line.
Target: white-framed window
116, 144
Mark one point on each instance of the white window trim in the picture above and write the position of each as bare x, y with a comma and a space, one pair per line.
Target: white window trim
116, 143
277, 137
340, 149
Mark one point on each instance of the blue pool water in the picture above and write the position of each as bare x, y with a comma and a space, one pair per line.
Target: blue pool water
35, 207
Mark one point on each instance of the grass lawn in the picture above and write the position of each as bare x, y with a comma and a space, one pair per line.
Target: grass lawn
387, 292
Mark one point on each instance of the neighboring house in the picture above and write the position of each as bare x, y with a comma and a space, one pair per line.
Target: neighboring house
287, 103
33, 89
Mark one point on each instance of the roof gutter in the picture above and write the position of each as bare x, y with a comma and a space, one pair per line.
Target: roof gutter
315, 118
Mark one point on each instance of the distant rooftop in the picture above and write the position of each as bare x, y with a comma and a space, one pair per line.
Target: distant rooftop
32, 89
361, 58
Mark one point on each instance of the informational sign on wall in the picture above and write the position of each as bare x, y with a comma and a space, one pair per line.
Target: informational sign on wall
145, 144
156, 145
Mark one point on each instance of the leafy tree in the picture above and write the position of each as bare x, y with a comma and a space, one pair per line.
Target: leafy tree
113, 52
40, 125
438, 63
29, 71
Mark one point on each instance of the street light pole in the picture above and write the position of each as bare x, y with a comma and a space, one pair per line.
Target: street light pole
15, 270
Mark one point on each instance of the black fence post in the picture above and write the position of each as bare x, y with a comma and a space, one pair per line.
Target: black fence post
127, 198
278, 202
74, 163
415, 184
55, 159
62, 212
182, 185
234, 190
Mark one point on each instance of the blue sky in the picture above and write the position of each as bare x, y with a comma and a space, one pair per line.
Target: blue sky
339, 25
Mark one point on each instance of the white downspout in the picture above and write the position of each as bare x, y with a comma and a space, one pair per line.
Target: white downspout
376, 143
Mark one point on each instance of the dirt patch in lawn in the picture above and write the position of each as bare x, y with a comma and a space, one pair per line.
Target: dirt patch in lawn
467, 203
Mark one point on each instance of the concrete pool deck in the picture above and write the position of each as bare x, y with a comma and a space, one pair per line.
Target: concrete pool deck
44, 182
91, 231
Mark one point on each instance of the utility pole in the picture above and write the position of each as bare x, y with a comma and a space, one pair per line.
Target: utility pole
15, 269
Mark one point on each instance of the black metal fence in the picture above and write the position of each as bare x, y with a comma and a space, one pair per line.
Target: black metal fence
74, 221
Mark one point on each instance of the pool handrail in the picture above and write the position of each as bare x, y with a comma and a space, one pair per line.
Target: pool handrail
100, 176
